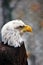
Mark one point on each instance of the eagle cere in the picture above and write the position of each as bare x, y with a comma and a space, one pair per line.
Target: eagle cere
10, 32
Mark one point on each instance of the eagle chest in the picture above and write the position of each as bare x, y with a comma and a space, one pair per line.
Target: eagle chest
12, 56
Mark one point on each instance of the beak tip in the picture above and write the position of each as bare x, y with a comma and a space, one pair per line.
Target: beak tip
29, 29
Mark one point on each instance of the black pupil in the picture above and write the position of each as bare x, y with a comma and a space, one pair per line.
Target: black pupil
21, 26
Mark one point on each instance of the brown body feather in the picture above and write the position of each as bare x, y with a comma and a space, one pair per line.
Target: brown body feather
12, 56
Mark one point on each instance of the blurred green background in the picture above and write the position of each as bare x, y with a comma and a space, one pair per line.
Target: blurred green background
31, 12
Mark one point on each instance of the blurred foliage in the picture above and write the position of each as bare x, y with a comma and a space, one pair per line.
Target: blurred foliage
41, 24
21, 14
35, 7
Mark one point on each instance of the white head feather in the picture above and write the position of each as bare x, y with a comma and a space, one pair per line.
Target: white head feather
10, 34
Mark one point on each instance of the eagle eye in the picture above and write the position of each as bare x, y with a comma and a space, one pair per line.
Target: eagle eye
21, 26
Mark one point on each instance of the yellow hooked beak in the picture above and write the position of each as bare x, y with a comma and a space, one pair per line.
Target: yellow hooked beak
26, 28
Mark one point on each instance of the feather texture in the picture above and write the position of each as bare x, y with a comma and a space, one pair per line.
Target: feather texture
10, 34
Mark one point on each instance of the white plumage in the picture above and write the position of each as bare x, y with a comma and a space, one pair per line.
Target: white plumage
10, 34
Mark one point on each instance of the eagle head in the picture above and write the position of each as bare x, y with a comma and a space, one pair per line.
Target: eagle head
11, 32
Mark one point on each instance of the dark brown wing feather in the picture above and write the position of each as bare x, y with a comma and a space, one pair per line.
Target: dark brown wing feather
12, 56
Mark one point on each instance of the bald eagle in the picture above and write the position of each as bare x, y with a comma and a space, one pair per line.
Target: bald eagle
12, 46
